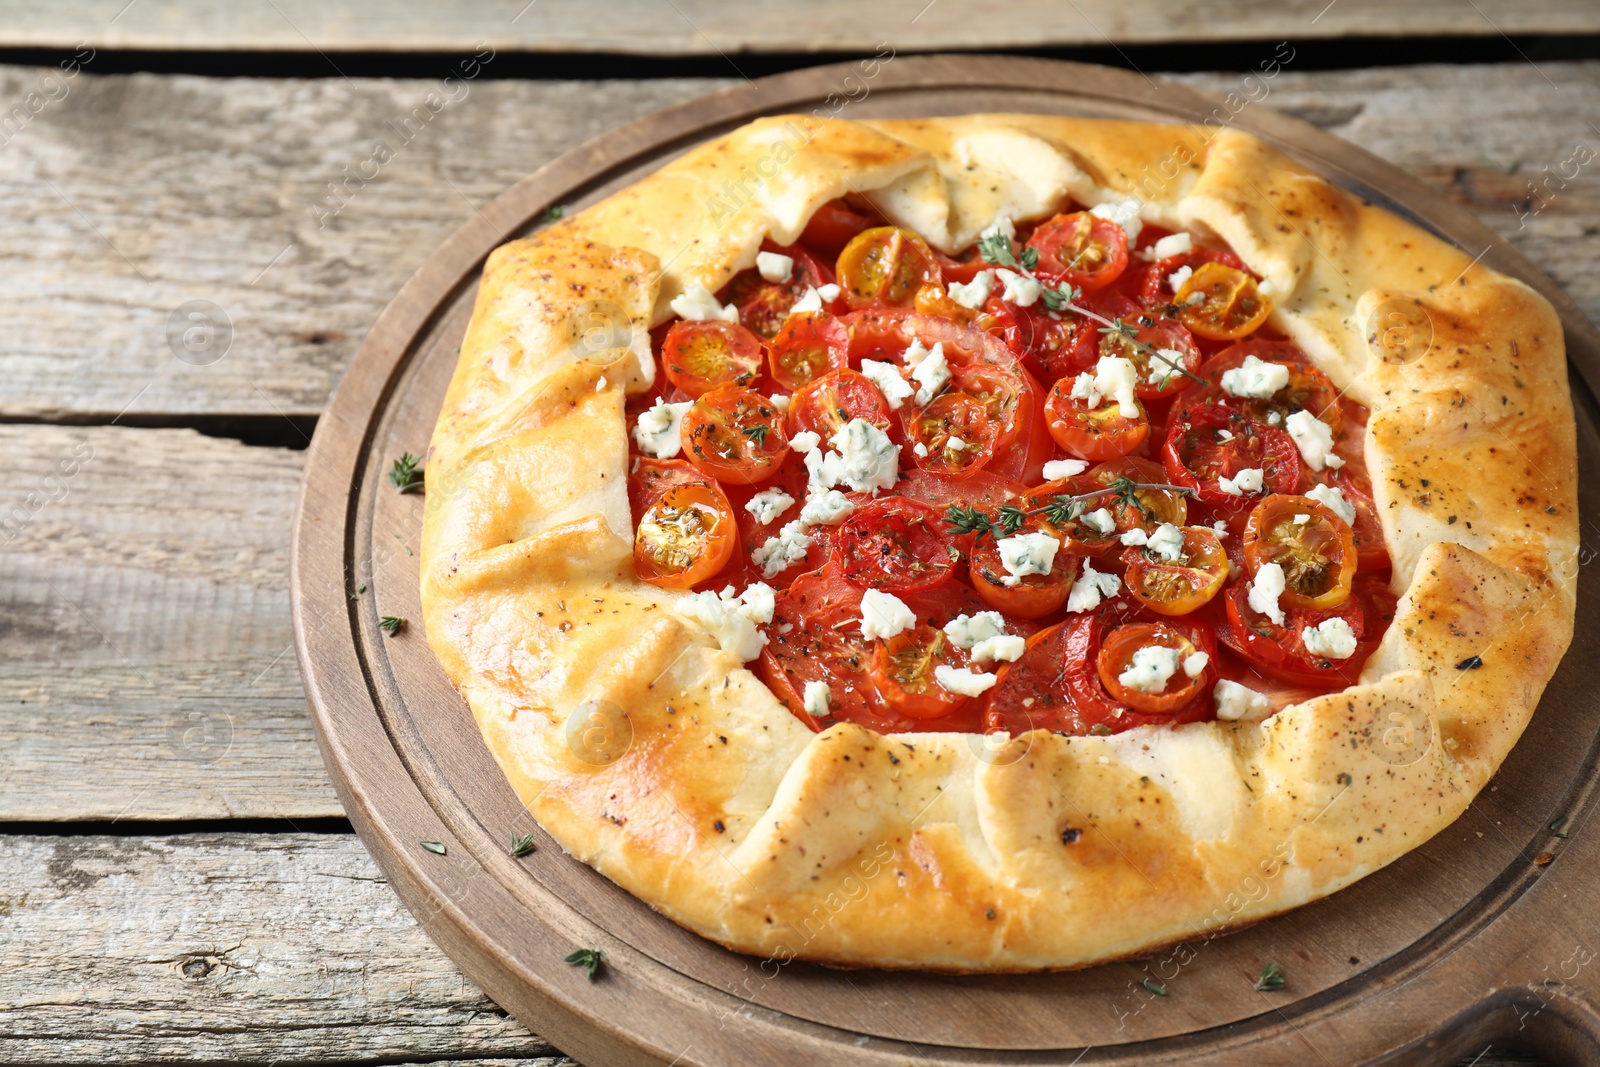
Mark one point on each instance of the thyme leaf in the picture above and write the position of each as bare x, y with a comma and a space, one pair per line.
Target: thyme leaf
522, 846
391, 624
1271, 979
404, 474
589, 959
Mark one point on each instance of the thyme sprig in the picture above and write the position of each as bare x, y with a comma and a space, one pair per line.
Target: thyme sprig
404, 474
522, 846
756, 433
995, 248
1061, 510
589, 959
1271, 979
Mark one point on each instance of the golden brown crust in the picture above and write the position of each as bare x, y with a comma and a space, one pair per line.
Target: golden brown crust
656, 757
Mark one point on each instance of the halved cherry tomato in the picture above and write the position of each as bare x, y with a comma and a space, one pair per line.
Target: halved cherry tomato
1031, 693
699, 356
685, 534
1154, 290
1143, 508
885, 334
1102, 432
833, 225
1158, 375
886, 265
1012, 400
935, 302
1279, 650
1077, 537
1031, 596
903, 673
837, 398
954, 432
1081, 249
1372, 551
801, 650
896, 545
1315, 548
650, 478
735, 435
1207, 442
1221, 303
1308, 389
764, 305
807, 346
1117, 656
1184, 584
1051, 343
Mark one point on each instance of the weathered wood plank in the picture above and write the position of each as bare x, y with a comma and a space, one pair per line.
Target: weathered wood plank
227, 948
144, 612
238, 949
130, 195
707, 27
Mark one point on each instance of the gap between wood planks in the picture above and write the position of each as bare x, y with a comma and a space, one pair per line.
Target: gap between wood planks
1243, 55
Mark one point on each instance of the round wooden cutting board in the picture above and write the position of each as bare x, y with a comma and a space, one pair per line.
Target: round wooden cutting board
1490, 932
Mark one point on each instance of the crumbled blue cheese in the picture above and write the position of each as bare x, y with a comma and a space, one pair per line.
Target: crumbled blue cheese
1249, 480
869, 461
1150, 668
779, 401
1237, 703
826, 509
783, 549
699, 304
887, 377
1332, 498
1167, 542
962, 680
1255, 378
1265, 590
1020, 289
1002, 648
1083, 388
1165, 367
883, 615
805, 441
1194, 664
775, 266
920, 449
1057, 469
1301, 520
974, 293
1025, 554
931, 373
769, 504
656, 431
1332, 638
1091, 587
1135, 537
915, 353
812, 299
954, 443
965, 631
1173, 244
1116, 377
1220, 528
1099, 520
1177, 279
731, 619
817, 699
1124, 213
1001, 225
1314, 439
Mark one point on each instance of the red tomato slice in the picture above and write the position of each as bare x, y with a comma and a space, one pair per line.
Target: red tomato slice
903, 672
764, 305
1096, 434
1183, 585
896, 545
884, 334
1053, 344
808, 346
1280, 650
1014, 402
699, 356
886, 265
798, 651
835, 399
1032, 596
953, 435
734, 434
1208, 442
1080, 249
833, 225
1308, 389
684, 534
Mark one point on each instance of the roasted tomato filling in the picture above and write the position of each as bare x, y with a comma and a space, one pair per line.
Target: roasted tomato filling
1069, 479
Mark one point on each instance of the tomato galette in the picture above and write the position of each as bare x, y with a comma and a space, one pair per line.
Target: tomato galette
983, 543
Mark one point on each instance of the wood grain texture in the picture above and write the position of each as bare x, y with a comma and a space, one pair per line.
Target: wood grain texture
707, 27
228, 948
102, 245
144, 610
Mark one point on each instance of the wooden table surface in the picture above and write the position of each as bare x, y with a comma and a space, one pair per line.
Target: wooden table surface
177, 880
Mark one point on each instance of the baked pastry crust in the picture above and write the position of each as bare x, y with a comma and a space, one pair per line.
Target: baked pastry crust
659, 759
